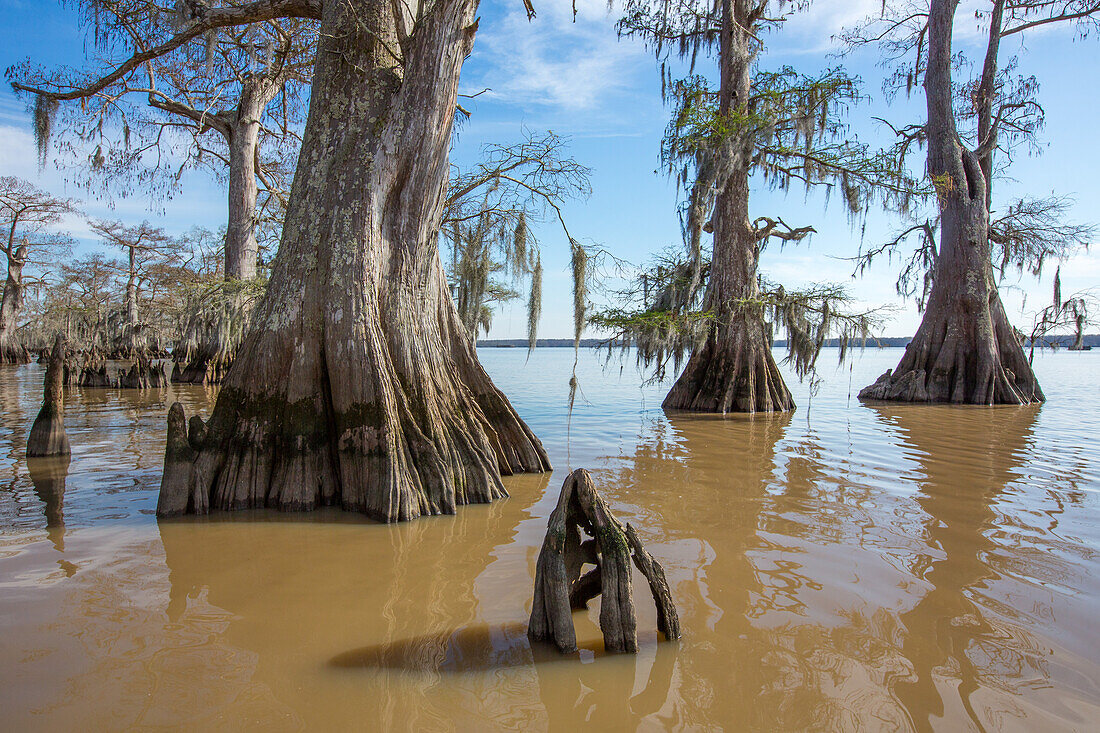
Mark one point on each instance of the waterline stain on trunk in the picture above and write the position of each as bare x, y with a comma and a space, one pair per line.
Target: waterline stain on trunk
357, 385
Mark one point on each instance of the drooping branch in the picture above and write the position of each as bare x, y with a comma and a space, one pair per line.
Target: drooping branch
1069, 11
205, 19
488, 221
1073, 313
1035, 230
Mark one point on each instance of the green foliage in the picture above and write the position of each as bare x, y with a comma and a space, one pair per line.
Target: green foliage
791, 130
656, 335
665, 327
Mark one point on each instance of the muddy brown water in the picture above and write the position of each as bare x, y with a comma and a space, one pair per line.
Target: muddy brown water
845, 567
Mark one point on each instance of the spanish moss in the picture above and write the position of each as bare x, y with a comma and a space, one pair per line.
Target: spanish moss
45, 112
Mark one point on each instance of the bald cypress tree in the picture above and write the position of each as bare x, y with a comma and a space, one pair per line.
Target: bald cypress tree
784, 127
965, 349
357, 384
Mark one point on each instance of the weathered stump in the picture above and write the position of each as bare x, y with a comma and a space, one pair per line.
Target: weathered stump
179, 454
48, 436
559, 586
93, 372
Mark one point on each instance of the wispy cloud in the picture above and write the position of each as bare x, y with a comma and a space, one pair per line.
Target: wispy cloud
553, 61
200, 203
815, 30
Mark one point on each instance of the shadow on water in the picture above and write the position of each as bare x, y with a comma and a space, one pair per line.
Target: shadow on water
609, 693
476, 648
412, 603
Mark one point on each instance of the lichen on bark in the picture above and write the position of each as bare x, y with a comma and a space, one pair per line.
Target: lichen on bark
357, 384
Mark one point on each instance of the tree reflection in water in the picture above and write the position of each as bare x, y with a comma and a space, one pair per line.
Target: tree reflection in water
966, 639
891, 567
48, 475
816, 595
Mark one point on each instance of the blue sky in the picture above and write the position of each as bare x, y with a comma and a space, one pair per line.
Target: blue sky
579, 80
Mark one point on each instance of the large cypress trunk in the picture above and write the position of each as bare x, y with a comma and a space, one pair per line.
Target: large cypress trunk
357, 384
733, 371
11, 347
965, 349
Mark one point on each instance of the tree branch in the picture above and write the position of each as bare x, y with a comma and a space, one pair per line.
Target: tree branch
259, 10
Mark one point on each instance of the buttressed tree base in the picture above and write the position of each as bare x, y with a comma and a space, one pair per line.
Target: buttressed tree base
357, 385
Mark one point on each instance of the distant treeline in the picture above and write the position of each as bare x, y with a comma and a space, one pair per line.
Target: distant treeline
1092, 340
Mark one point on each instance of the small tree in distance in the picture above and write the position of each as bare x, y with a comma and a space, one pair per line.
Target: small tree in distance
146, 249
229, 99
26, 214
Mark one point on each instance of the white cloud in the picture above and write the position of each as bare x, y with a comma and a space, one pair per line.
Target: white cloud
554, 61
814, 30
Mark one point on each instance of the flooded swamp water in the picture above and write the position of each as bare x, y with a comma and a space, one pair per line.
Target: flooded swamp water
845, 567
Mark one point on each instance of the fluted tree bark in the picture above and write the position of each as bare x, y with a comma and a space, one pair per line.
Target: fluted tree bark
12, 350
965, 350
357, 384
244, 141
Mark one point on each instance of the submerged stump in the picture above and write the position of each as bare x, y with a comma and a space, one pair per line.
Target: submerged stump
48, 436
560, 587
179, 453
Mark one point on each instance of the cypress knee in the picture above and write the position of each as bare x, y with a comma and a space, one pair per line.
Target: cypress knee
48, 436
179, 453
559, 586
